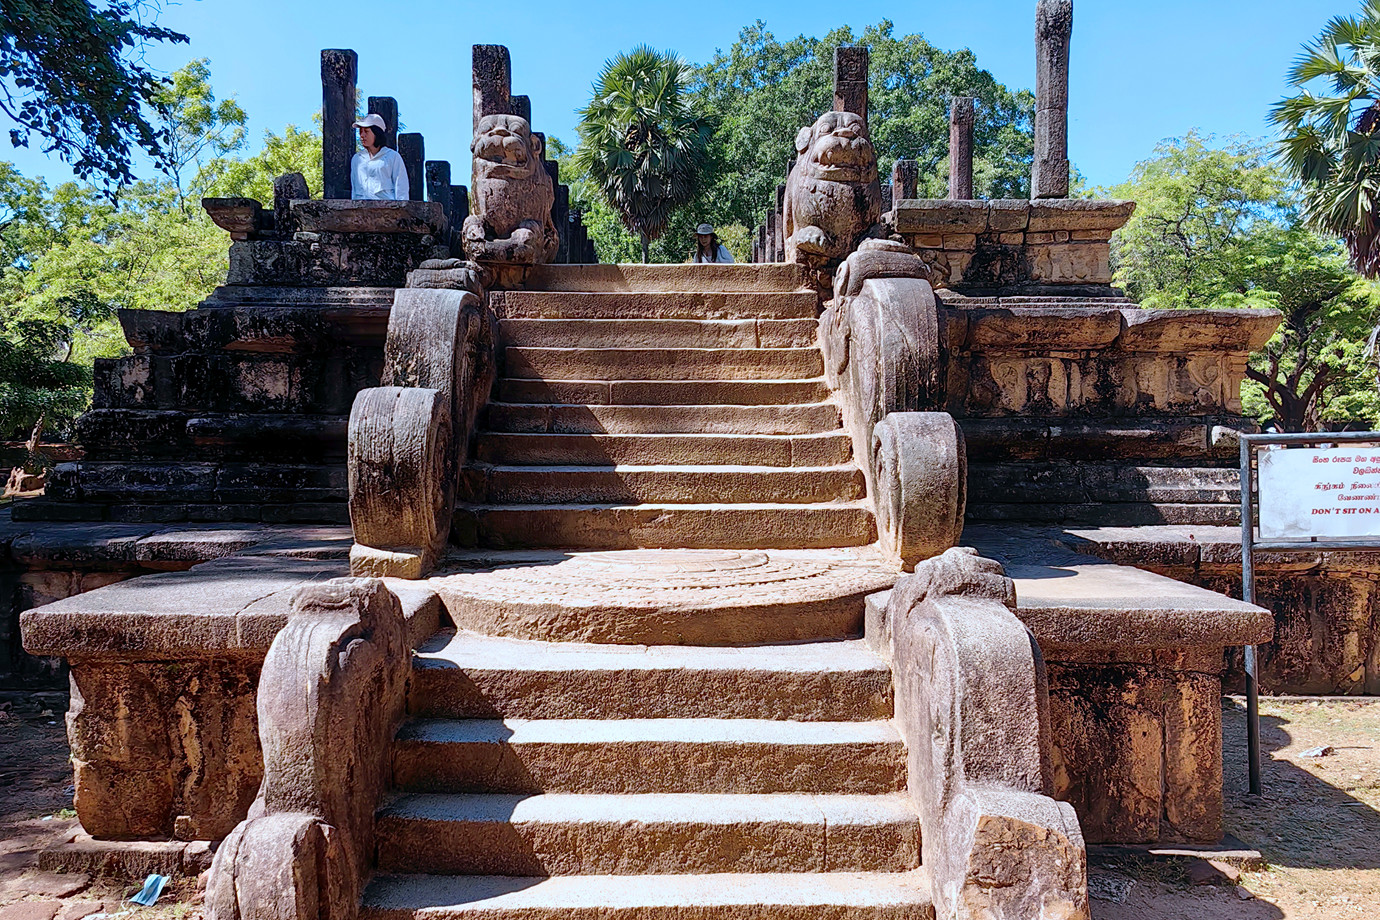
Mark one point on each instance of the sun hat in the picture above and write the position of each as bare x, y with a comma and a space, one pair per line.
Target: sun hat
704, 230
372, 121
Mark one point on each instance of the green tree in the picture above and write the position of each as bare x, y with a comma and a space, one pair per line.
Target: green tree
72, 77
37, 381
194, 124
1196, 205
1220, 227
641, 145
1328, 132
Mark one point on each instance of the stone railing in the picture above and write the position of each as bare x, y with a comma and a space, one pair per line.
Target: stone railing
331, 695
972, 705
881, 343
409, 437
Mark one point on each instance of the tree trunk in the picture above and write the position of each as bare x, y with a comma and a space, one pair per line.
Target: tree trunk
645, 241
34, 464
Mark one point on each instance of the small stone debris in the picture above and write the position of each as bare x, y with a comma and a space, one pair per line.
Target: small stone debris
1325, 750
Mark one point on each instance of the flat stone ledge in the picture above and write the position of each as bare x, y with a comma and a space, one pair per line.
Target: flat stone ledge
1073, 601
343, 216
128, 859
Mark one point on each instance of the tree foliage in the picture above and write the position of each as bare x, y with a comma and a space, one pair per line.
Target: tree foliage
72, 78
641, 144
1328, 132
1219, 226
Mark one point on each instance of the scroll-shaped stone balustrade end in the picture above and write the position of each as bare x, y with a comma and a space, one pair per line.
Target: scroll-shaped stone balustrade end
513, 196
1053, 35
330, 697
339, 70
833, 195
972, 705
921, 475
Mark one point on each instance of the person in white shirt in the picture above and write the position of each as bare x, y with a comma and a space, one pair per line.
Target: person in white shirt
707, 246
377, 172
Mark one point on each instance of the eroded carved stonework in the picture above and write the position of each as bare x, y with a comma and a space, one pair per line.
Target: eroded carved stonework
513, 195
833, 195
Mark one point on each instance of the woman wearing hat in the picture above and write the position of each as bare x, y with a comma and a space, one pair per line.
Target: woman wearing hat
707, 246
377, 172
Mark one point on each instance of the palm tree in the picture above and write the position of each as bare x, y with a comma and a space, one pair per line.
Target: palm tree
1329, 138
640, 143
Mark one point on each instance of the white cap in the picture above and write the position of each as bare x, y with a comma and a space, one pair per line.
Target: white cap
372, 121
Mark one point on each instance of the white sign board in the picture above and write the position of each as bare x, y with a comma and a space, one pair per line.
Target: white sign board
1327, 492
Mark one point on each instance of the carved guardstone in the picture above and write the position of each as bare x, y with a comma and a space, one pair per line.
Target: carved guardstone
513, 195
833, 194
1049, 176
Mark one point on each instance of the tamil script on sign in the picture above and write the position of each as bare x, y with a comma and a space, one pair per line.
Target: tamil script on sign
1331, 492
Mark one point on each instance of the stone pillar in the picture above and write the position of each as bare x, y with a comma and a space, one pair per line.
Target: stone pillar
773, 229
560, 213
287, 189
961, 148
438, 184
762, 241
888, 201
850, 80
339, 69
756, 256
459, 204
1049, 177
905, 181
412, 148
493, 82
521, 106
778, 243
386, 107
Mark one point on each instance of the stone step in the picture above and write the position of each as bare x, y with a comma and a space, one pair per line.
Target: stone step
135, 434
795, 305
663, 363
663, 392
663, 278
621, 835
665, 526
502, 448
638, 756
681, 597
660, 333
465, 675
807, 418
510, 485
789, 896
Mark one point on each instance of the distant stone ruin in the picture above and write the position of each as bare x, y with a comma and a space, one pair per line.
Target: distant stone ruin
668, 590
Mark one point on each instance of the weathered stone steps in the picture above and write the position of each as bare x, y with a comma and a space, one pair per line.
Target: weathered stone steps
503, 448
663, 363
585, 305
697, 280
656, 333
664, 484
641, 756
565, 834
471, 676
786, 896
662, 392
690, 526
555, 418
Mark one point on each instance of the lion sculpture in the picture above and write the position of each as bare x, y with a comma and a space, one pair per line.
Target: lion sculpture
512, 195
833, 195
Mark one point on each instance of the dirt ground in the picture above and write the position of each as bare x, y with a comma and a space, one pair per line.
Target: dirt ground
1317, 827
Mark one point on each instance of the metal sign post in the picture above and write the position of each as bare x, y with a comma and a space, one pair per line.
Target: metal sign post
1326, 499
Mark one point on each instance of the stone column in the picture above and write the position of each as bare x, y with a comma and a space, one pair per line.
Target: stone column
339, 69
438, 184
459, 204
905, 181
386, 107
1049, 176
778, 244
521, 106
560, 213
850, 80
412, 148
961, 148
762, 242
493, 82
773, 230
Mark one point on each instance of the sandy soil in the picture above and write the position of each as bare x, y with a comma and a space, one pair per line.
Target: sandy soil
1317, 826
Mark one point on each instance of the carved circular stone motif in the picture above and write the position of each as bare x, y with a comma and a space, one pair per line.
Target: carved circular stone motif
665, 597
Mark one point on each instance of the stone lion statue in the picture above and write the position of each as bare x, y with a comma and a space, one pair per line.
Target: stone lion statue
833, 195
512, 195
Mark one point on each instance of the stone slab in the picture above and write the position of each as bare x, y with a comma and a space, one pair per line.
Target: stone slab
743, 277
128, 859
634, 306
342, 216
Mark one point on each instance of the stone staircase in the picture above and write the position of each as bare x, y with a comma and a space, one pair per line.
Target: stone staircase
656, 703
654, 418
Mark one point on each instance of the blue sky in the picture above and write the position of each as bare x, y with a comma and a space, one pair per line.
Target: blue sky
1142, 72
